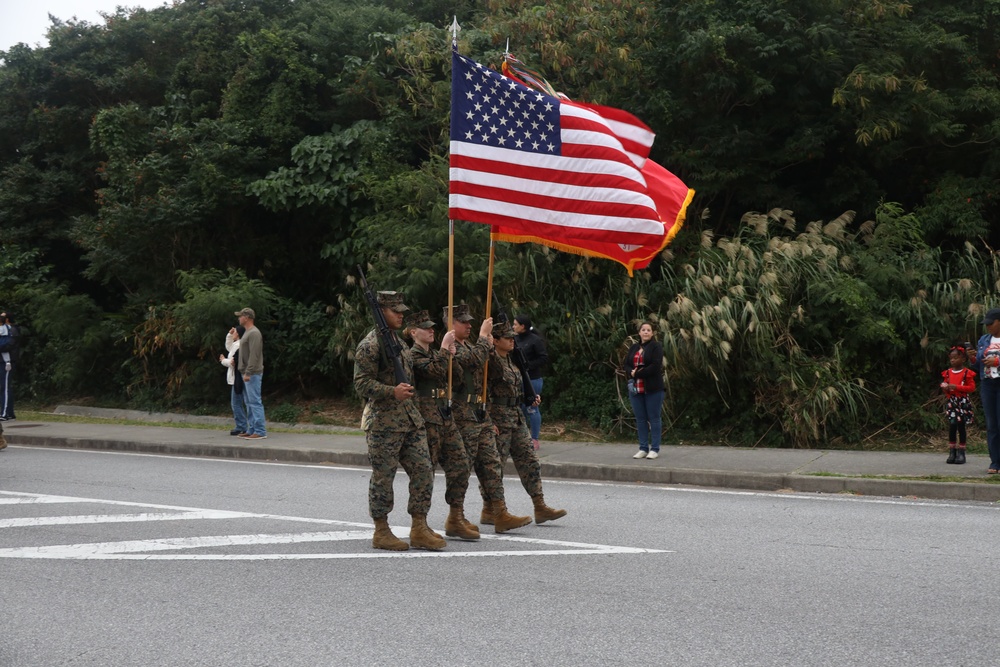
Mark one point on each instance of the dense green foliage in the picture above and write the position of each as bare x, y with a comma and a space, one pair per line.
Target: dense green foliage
167, 167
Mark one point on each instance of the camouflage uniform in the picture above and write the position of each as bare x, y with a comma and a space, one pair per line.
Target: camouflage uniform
467, 383
430, 369
505, 396
393, 429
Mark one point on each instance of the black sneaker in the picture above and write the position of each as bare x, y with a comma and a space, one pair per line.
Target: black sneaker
236, 431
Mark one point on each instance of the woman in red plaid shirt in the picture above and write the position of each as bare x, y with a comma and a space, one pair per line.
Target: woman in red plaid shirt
644, 368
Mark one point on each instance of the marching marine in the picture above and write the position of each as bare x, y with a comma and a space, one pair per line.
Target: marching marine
474, 421
430, 374
394, 429
506, 394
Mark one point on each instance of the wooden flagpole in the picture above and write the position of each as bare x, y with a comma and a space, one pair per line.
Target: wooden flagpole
451, 297
451, 249
489, 304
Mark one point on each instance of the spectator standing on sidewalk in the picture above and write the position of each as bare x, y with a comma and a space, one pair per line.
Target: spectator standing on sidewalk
235, 380
251, 367
8, 359
957, 382
532, 346
644, 369
986, 362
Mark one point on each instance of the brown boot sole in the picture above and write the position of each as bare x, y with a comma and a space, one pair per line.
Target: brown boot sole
430, 546
391, 546
519, 522
551, 515
462, 534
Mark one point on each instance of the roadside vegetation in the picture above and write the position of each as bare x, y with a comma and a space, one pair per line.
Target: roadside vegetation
168, 167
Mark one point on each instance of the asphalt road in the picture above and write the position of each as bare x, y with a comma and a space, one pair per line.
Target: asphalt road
176, 561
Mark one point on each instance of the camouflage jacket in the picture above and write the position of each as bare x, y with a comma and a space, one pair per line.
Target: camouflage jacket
430, 377
374, 381
505, 392
471, 359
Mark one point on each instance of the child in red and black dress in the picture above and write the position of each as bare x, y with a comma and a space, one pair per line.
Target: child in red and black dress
957, 382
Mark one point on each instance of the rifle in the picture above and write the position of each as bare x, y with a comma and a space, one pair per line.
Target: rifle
518, 357
390, 344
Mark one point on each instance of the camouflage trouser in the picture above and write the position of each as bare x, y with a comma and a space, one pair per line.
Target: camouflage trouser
447, 448
388, 450
481, 448
516, 443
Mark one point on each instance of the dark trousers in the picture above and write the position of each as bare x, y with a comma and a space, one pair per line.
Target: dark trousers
6, 392
989, 392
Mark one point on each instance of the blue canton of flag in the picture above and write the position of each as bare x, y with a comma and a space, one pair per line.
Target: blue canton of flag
491, 110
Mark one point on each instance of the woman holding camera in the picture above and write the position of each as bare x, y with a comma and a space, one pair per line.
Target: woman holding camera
644, 368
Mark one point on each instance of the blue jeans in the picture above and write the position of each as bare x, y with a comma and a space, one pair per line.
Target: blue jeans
239, 409
255, 408
989, 392
647, 409
533, 413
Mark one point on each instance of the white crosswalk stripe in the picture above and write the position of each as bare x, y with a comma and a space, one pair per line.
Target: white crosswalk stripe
180, 547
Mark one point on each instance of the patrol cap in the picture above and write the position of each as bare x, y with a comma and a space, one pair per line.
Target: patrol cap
392, 301
419, 320
503, 330
245, 312
991, 316
460, 313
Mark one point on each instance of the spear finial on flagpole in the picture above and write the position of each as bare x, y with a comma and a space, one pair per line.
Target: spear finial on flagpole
455, 28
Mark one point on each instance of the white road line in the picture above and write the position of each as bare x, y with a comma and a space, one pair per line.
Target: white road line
39, 497
381, 554
120, 518
140, 549
32, 501
137, 549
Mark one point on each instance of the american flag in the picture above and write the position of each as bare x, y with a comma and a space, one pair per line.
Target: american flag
544, 169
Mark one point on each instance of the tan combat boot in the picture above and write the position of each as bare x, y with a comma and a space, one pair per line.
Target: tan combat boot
456, 525
384, 539
504, 520
543, 512
486, 516
422, 537
3, 442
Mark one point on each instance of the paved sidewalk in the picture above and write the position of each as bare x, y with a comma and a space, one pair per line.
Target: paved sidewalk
759, 469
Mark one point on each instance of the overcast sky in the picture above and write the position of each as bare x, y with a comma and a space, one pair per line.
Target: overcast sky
28, 20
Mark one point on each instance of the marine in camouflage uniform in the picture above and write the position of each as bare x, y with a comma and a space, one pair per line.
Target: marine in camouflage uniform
394, 431
430, 375
474, 421
506, 394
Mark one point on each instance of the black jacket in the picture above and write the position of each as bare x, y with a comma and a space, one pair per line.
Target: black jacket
533, 347
651, 370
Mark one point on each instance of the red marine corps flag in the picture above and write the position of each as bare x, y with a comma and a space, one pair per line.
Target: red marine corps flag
564, 174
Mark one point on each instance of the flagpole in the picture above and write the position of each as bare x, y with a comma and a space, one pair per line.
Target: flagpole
451, 297
489, 303
451, 244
